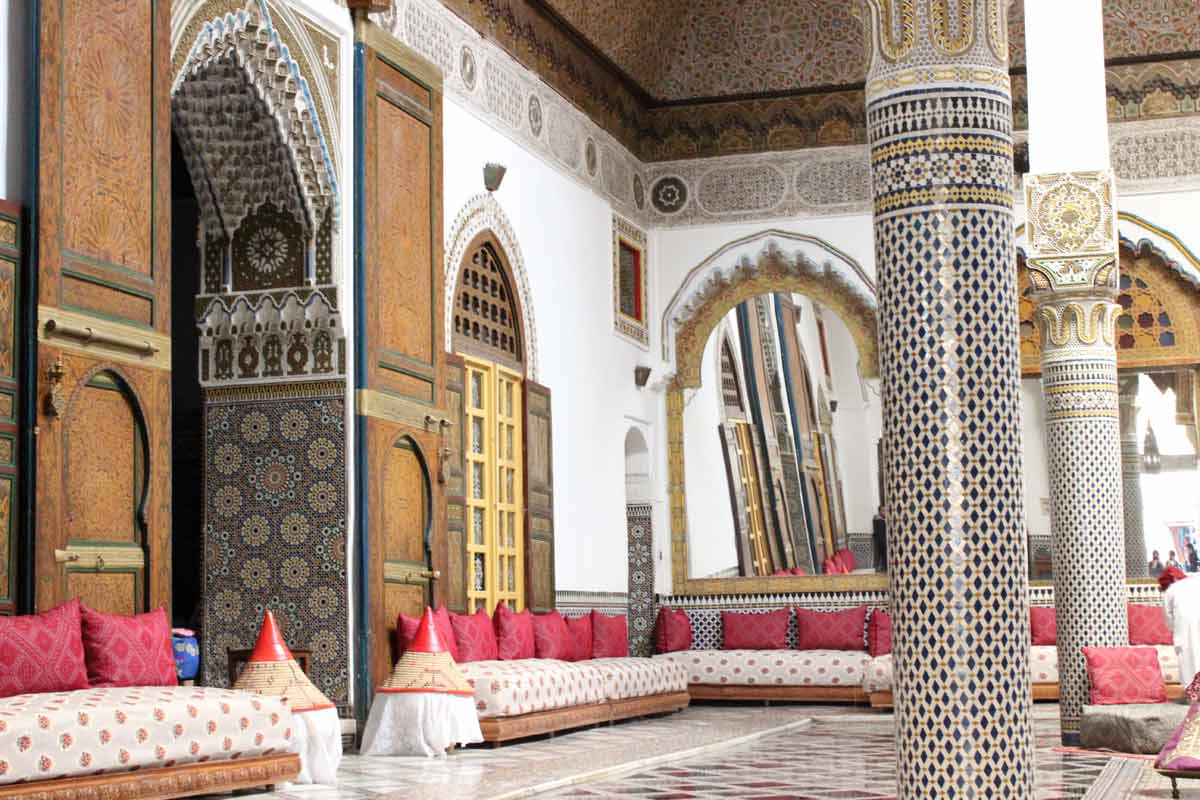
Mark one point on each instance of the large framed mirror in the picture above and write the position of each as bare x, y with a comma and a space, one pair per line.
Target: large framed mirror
774, 423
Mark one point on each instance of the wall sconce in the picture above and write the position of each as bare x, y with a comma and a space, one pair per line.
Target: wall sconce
1151, 459
641, 375
493, 174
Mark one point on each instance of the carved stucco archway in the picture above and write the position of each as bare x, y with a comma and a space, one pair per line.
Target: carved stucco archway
769, 262
483, 213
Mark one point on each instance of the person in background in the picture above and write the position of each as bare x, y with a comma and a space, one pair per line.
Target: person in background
1172, 561
1193, 564
1181, 603
1156, 565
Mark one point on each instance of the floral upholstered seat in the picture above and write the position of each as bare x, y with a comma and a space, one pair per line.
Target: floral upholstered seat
92, 731
523, 686
772, 667
625, 678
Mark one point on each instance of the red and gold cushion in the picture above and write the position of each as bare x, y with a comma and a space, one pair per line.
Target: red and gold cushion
42, 652
128, 650
672, 631
85, 732
1043, 625
831, 630
511, 688
1148, 625
1182, 751
610, 636
640, 677
1122, 675
474, 637
772, 667
514, 633
879, 633
579, 630
551, 639
755, 631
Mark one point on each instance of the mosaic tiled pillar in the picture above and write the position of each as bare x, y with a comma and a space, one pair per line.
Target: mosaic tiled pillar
1136, 560
641, 579
939, 114
1072, 239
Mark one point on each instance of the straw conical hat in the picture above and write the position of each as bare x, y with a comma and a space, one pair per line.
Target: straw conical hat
273, 671
426, 665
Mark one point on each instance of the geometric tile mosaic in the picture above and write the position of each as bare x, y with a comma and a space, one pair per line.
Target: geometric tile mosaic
275, 532
641, 579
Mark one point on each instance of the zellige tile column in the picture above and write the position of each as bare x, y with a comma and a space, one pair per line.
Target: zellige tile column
939, 114
1071, 236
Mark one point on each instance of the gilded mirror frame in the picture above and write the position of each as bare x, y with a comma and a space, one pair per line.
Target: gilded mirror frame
775, 272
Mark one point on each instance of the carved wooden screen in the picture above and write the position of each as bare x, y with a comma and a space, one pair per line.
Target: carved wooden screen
539, 499
401, 396
103, 264
487, 317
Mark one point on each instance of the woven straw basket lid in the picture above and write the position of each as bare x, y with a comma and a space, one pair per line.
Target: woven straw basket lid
426, 665
273, 671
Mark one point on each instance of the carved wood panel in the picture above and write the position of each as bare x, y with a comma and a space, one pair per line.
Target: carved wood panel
404, 201
455, 489
10, 354
104, 262
539, 505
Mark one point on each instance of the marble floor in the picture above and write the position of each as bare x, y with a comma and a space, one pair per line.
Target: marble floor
732, 752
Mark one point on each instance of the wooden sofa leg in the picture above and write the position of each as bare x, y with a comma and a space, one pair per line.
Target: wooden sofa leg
1174, 788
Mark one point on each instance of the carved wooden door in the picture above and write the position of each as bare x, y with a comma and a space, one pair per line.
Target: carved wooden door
103, 288
401, 391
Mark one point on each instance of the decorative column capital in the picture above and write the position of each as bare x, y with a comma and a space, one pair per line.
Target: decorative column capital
1072, 230
935, 42
1072, 322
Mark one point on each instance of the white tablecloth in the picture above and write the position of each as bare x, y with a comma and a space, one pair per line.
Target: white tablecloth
317, 737
419, 724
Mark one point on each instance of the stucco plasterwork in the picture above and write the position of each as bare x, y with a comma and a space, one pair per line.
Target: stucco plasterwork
483, 213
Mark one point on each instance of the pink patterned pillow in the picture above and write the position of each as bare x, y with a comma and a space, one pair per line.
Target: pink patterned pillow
1043, 625
43, 652
1121, 675
128, 650
1148, 625
514, 633
610, 636
750, 631
879, 633
580, 637
551, 639
672, 631
474, 637
406, 630
831, 630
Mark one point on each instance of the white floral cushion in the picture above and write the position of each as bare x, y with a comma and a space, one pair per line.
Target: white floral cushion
879, 674
640, 677
772, 667
91, 731
1043, 663
511, 688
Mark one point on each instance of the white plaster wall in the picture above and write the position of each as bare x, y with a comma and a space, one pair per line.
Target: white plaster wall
15, 76
565, 234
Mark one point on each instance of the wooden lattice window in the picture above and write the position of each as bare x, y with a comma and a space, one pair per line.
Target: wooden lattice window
1144, 321
487, 322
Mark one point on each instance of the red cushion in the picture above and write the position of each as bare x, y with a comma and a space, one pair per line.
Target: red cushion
514, 633
1043, 625
610, 636
1148, 625
797, 571
406, 630
831, 630
879, 633
551, 639
672, 631
474, 637
848, 559
128, 651
749, 631
42, 652
445, 630
579, 630
1120, 675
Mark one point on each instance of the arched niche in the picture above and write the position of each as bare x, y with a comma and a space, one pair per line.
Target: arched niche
770, 262
637, 467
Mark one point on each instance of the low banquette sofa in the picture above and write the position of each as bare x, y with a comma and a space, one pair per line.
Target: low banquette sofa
537, 674
90, 707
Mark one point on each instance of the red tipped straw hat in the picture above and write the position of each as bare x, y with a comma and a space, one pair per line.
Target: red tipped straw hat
426, 665
273, 671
